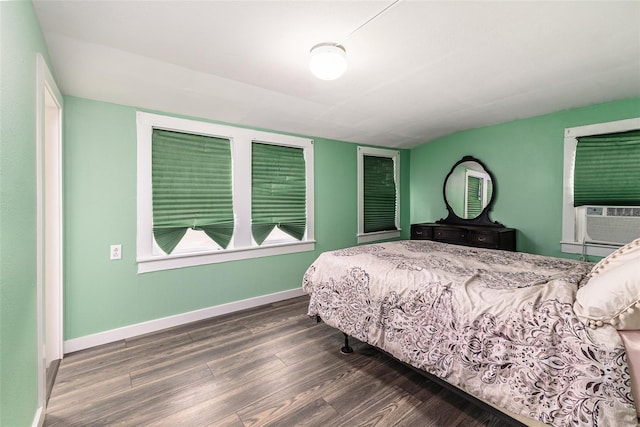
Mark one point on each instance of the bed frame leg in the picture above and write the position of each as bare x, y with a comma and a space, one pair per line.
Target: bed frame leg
347, 348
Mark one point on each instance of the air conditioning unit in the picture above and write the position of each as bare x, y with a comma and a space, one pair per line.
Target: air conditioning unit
612, 225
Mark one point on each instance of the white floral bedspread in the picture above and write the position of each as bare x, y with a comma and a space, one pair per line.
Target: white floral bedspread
499, 325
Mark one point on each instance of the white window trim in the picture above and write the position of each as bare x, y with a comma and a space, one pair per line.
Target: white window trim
377, 235
241, 246
570, 218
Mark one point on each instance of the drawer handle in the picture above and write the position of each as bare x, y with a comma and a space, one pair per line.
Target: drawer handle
419, 233
481, 238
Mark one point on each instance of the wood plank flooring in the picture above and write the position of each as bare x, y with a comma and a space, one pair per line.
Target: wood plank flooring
267, 366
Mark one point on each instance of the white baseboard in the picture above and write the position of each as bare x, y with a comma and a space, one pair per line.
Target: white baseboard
118, 334
38, 419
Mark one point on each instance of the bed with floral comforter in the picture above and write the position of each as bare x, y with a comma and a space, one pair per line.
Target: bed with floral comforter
498, 325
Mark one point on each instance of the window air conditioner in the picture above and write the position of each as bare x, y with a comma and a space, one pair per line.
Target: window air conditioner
612, 225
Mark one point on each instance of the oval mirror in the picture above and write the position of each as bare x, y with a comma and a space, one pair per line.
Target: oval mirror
468, 189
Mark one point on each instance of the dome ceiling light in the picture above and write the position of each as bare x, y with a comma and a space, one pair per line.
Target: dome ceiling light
329, 60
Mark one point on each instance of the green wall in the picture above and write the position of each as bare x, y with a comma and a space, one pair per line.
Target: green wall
20, 40
526, 159
100, 210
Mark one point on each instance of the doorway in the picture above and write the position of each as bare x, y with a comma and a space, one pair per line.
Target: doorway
49, 230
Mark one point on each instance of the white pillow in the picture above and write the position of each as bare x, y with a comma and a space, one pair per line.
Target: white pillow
612, 296
629, 251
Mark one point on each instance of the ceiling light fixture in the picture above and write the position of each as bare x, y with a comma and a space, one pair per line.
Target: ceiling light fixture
329, 60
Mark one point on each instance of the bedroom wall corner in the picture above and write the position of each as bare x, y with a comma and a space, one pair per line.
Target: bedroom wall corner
405, 193
526, 158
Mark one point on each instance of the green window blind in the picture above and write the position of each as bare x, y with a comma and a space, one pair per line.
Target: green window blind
379, 194
278, 191
191, 182
474, 196
607, 170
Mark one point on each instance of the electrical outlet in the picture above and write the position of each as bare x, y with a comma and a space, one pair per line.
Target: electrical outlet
116, 251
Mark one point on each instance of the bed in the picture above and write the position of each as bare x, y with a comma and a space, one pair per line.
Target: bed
530, 335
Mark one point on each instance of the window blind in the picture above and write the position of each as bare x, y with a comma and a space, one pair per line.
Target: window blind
474, 196
379, 194
191, 187
607, 170
278, 191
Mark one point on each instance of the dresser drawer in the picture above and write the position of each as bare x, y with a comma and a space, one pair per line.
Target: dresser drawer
421, 232
451, 235
489, 240
490, 237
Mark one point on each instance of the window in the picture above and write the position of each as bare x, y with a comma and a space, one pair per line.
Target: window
378, 194
191, 189
600, 209
278, 191
478, 192
202, 198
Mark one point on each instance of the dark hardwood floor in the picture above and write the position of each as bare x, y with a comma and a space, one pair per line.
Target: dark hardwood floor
268, 366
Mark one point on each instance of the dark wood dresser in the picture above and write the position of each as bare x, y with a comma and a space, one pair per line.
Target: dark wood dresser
467, 235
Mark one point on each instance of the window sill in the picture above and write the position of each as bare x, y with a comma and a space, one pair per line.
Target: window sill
379, 235
593, 249
168, 262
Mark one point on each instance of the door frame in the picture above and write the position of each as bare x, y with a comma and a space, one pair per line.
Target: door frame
47, 91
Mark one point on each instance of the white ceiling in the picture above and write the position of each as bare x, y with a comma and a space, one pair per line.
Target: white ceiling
421, 70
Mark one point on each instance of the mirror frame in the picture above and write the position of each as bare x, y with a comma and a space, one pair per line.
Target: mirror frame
483, 218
